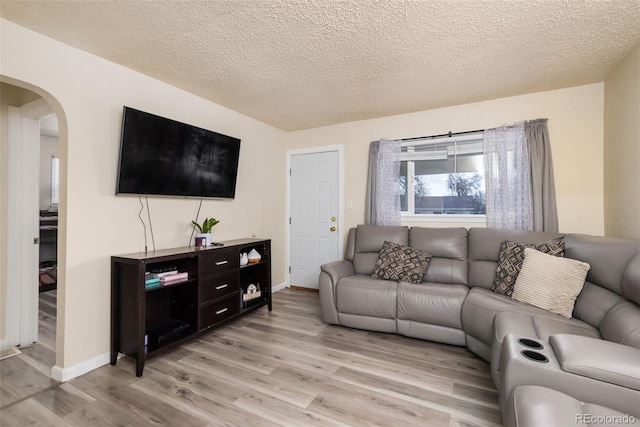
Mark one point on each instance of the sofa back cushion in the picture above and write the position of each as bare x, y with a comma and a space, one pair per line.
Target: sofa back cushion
611, 277
621, 324
593, 303
448, 247
368, 243
631, 280
607, 256
351, 245
484, 250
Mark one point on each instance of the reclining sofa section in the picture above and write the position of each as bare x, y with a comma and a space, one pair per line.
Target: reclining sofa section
455, 304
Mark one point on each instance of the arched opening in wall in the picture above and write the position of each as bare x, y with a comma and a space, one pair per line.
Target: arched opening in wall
32, 225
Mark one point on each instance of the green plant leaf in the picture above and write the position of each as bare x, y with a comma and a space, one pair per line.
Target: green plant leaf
197, 226
206, 225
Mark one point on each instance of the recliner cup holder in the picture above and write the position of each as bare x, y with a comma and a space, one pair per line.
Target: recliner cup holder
530, 343
535, 356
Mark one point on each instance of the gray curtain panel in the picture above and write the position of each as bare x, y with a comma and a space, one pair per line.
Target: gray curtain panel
369, 211
382, 204
543, 192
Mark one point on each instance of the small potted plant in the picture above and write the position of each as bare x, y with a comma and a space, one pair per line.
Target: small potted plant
205, 229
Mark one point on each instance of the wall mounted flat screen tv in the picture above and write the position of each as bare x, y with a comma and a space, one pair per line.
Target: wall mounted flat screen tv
163, 157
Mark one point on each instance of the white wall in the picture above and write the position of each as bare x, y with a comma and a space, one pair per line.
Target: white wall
88, 94
575, 129
622, 149
48, 149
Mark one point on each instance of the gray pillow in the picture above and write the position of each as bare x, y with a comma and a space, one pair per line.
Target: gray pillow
401, 263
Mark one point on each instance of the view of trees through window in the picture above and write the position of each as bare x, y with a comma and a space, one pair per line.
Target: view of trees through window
443, 180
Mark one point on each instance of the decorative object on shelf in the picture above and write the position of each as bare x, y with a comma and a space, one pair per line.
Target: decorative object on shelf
254, 256
201, 241
205, 229
244, 259
253, 292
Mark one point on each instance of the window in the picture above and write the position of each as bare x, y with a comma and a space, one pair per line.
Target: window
55, 181
443, 177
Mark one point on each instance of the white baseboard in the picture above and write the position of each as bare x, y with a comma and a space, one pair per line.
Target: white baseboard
66, 374
279, 287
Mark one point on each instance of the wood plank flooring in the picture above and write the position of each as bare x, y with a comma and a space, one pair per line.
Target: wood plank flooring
284, 368
28, 373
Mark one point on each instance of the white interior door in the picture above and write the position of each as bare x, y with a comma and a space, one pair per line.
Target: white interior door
23, 227
314, 215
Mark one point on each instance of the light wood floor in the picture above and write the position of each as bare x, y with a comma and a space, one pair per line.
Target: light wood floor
280, 368
28, 373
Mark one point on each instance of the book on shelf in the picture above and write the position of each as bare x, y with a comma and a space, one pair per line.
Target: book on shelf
175, 276
151, 280
152, 285
166, 273
172, 282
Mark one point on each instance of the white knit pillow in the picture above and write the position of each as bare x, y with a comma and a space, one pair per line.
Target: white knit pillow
550, 282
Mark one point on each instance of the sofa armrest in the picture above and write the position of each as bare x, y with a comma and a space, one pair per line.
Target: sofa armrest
338, 269
598, 359
330, 273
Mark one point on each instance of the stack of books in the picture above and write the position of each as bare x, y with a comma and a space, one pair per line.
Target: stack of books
155, 280
172, 277
151, 281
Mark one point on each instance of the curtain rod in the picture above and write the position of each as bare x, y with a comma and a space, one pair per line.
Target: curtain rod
449, 134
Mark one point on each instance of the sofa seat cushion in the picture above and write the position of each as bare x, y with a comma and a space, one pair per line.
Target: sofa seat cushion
539, 326
534, 406
482, 305
433, 303
360, 294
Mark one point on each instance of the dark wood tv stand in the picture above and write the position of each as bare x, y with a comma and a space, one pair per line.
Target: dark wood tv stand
146, 321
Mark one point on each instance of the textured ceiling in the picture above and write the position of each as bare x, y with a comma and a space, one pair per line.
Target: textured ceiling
299, 64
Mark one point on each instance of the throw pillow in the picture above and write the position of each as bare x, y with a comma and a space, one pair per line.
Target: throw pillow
510, 262
550, 282
401, 263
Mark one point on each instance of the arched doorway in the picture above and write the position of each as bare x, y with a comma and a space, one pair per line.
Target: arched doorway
20, 220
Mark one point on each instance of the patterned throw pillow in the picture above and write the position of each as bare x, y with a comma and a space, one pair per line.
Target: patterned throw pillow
510, 262
401, 263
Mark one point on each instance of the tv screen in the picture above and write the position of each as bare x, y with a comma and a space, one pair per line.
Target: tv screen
159, 156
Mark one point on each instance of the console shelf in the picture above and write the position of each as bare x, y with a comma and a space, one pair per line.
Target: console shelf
148, 320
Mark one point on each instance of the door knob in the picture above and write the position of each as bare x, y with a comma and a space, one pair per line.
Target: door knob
333, 229
333, 219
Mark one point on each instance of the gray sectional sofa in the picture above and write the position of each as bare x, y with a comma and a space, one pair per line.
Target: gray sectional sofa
592, 357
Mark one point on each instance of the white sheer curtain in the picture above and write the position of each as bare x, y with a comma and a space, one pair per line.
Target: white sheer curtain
508, 178
383, 195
